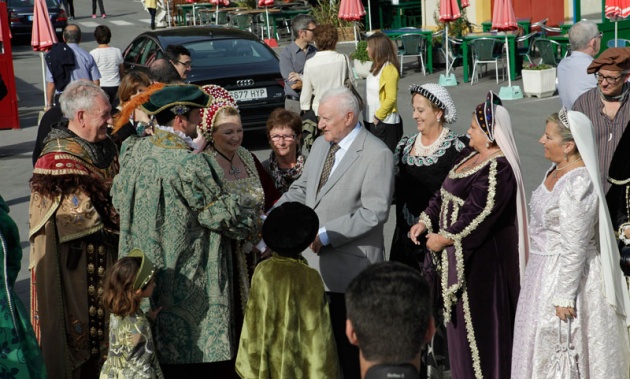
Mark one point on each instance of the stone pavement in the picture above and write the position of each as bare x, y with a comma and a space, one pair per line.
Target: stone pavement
528, 118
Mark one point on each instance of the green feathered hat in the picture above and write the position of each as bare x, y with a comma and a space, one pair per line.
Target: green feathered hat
179, 99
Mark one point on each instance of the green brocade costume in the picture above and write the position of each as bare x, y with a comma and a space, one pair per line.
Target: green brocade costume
20, 357
287, 332
173, 208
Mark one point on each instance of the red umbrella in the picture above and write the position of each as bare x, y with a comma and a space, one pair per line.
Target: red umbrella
266, 3
616, 10
43, 35
504, 19
449, 11
352, 10
217, 3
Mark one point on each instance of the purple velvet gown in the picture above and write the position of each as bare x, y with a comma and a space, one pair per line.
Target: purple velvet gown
480, 271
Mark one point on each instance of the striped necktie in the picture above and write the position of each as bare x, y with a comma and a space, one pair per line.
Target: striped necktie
328, 165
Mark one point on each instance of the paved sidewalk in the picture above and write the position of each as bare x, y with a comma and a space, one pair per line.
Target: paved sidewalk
528, 118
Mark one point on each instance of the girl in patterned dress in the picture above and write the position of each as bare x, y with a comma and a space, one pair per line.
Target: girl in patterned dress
131, 347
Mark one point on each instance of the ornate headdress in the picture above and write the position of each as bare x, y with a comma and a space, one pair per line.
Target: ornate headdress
222, 99
178, 99
439, 96
485, 114
145, 272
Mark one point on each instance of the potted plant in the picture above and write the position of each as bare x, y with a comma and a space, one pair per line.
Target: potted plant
361, 60
539, 80
327, 12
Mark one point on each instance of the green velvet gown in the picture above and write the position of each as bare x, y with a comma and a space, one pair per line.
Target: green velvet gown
20, 356
287, 332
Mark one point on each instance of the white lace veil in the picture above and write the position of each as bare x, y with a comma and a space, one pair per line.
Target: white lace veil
615, 286
505, 139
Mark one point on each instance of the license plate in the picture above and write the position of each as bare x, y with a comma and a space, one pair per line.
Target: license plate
249, 94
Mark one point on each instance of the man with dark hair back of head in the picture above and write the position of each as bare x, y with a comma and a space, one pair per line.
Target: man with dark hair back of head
162, 71
389, 319
181, 59
84, 65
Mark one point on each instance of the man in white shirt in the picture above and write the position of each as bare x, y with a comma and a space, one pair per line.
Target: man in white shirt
573, 80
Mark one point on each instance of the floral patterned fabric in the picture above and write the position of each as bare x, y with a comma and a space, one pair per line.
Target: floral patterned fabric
173, 207
20, 357
131, 349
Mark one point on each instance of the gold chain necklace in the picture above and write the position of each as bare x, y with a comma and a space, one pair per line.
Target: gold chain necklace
474, 164
555, 173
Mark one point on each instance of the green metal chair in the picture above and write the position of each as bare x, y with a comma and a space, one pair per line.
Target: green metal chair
550, 51
524, 45
412, 45
487, 51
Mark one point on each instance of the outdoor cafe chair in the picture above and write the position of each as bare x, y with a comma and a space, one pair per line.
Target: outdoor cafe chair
550, 51
620, 42
549, 29
487, 51
539, 24
454, 51
413, 45
524, 45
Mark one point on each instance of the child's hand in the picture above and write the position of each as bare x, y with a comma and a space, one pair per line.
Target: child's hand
152, 314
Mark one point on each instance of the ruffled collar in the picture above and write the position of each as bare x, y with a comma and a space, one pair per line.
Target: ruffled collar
189, 141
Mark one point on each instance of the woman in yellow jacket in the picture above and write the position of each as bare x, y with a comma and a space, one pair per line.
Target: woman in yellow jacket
381, 87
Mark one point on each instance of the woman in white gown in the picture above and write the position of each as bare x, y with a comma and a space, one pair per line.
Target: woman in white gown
573, 270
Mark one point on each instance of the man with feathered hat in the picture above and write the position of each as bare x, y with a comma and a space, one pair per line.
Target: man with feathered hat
173, 208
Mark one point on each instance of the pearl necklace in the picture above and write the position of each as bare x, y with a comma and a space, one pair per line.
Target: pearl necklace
474, 164
420, 149
555, 173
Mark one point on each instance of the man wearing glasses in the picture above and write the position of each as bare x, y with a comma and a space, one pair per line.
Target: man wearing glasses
293, 57
179, 56
585, 40
607, 104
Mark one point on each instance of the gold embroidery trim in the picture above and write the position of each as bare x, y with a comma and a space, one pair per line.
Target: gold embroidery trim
42, 222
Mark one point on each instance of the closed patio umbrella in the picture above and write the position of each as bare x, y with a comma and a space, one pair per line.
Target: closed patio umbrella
504, 20
449, 12
352, 10
216, 12
43, 35
266, 4
616, 10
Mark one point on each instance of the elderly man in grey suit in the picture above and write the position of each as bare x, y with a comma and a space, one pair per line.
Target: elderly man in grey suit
348, 180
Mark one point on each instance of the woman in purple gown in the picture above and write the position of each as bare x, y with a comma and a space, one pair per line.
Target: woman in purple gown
478, 223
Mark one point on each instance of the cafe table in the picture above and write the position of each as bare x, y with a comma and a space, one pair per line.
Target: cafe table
523, 23
192, 8
470, 37
395, 33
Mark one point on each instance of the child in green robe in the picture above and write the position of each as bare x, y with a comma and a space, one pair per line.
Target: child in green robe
287, 332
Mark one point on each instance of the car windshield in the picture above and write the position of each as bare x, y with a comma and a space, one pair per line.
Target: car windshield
30, 3
210, 54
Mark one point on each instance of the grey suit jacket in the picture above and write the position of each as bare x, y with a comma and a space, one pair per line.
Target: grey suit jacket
353, 205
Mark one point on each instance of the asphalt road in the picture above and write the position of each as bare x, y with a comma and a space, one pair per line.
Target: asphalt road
128, 19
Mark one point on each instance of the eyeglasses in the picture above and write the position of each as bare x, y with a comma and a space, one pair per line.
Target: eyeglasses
186, 64
310, 30
285, 137
609, 79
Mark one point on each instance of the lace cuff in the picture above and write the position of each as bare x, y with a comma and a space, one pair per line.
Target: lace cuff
622, 236
424, 218
562, 302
